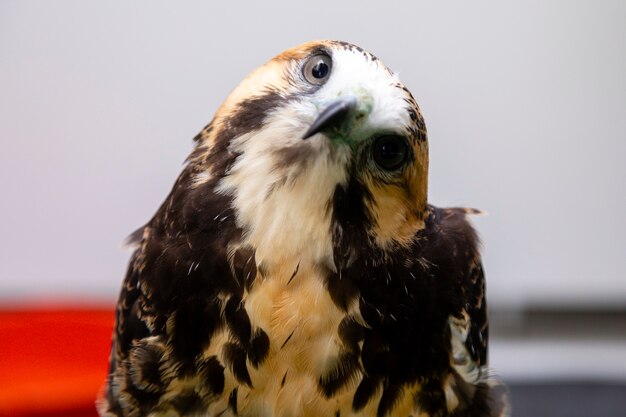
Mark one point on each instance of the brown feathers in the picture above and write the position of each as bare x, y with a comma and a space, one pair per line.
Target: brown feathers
286, 277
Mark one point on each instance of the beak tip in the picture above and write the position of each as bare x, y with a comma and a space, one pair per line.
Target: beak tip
308, 134
331, 115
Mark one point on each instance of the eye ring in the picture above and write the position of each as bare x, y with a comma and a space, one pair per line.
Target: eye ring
316, 70
390, 152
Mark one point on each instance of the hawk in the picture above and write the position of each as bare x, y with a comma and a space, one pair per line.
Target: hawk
297, 269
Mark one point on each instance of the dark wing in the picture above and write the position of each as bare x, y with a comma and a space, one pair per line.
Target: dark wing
172, 302
129, 328
476, 308
480, 393
458, 256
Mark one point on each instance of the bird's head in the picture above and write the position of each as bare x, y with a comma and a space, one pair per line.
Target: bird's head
321, 150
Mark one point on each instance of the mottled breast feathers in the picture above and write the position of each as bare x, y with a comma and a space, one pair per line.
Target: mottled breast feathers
291, 276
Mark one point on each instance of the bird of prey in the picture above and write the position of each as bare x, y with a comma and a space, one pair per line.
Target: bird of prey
297, 269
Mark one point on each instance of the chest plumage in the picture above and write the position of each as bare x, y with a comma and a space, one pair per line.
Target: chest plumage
296, 268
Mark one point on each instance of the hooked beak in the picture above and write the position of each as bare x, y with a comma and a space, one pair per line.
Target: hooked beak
332, 116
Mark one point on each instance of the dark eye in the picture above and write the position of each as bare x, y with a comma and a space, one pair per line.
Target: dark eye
316, 69
390, 152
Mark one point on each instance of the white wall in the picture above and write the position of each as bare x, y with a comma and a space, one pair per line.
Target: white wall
525, 104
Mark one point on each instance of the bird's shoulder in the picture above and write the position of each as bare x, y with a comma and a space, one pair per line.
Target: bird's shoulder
449, 236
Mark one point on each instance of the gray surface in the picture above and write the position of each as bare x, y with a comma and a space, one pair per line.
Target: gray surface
562, 344
524, 103
565, 324
568, 399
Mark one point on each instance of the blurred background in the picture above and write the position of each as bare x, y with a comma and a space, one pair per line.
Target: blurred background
525, 104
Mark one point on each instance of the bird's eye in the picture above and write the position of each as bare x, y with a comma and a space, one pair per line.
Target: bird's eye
390, 152
317, 68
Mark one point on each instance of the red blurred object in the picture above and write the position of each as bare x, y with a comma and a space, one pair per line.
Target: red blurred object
53, 358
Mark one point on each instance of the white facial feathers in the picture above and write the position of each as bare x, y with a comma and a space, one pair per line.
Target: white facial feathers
282, 186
